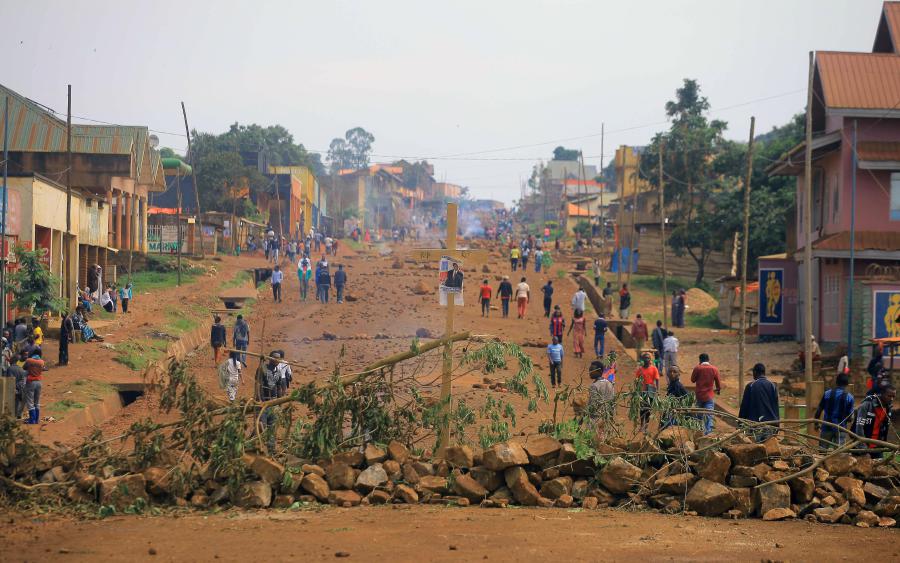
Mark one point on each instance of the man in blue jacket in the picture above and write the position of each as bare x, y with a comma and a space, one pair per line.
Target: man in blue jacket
760, 403
340, 279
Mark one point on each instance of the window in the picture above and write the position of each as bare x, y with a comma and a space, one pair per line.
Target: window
895, 196
832, 296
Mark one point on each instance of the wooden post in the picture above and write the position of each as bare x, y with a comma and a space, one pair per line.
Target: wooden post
662, 233
619, 227
602, 211
444, 436
633, 219
807, 246
187, 132
67, 255
745, 246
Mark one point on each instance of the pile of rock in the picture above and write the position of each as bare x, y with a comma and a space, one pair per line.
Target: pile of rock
682, 473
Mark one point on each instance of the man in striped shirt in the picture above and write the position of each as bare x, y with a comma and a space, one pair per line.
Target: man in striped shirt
837, 406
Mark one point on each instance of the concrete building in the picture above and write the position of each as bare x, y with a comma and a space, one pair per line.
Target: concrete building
854, 101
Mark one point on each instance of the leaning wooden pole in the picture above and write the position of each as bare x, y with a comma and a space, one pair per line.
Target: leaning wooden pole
807, 242
745, 246
634, 202
187, 132
662, 233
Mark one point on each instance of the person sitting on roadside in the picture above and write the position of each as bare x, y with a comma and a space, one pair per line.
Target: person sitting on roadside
81, 323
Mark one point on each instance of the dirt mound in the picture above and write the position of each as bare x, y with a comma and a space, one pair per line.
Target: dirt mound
698, 301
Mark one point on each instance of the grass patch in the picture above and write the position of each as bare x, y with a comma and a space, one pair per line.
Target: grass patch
137, 355
560, 273
65, 405
709, 319
239, 279
654, 283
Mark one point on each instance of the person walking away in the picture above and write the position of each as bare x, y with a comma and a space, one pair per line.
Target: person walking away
504, 292
680, 309
323, 284
230, 375
34, 368
597, 272
66, 335
547, 290
624, 301
525, 254
217, 338
277, 278
673, 309
267, 390
538, 260
578, 299
659, 334
340, 280
760, 403
282, 372
557, 324
304, 273
514, 258
485, 298
334, 247
837, 407
328, 243
600, 328
873, 418
670, 352
555, 356
705, 377
579, 328
676, 390
601, 399
648, 377
240, 337
607, 299
20, 377
523, 296
639, 333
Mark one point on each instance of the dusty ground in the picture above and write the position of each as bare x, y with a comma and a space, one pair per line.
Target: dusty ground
425, 533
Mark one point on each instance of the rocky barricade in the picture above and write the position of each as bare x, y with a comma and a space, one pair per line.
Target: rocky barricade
674, 472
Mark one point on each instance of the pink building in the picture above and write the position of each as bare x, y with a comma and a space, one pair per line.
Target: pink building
856, 102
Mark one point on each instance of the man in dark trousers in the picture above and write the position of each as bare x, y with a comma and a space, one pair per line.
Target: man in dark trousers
837, 405
600, 328
760, 403
340, 279
547, 290
504, 292
873, 418
659, 334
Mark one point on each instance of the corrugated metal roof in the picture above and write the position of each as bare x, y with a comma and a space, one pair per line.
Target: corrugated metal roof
863, 240
878, 151
34, 128
576, 211
859, 80
892, 15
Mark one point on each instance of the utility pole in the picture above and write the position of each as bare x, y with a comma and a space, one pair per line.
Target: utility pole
603, 189
852, 245
178, 226
586, 204
634, 201
807, 245
5, 204
187, 132
619, 224
67, 254
745, 247
662, 233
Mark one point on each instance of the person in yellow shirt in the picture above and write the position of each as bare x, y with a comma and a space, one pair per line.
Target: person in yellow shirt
37, 332
514, 255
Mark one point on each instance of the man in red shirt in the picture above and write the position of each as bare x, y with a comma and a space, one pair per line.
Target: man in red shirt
649, 378
485, 299
705, 378
639, 333
34, 368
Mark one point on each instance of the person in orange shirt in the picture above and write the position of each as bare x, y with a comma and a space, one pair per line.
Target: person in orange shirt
485, 299
648, 376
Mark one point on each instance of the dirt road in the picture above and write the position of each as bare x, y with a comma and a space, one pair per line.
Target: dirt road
424, 533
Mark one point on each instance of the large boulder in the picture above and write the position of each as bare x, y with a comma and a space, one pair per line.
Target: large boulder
465, 486
122, 492
490, 480
678, 484
340, 476
371, 477
410, 475
434, 484
619, 476
522, 489
802, 489
344, 498
709, 498
715, 467
675, 437
255, 494
542, 450
840, 464
374, 454
406, 494
459, 456
269, 470
158, 481
316, 486
504, 455
398, 452
852, 489
353, 458
769, 497
746, 454
555, 488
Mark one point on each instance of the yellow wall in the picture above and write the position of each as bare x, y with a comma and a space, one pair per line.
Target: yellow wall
626, 172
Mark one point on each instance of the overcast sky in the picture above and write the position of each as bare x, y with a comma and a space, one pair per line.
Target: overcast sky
457, 80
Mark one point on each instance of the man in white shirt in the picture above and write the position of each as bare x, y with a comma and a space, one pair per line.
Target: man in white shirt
277, 278
670, 353
523, 295
578, 300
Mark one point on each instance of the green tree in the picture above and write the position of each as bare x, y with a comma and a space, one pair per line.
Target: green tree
32, 286
562, 153
359, 143
338, 155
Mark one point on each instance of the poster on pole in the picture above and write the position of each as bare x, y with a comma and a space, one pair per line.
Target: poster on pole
451, 278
